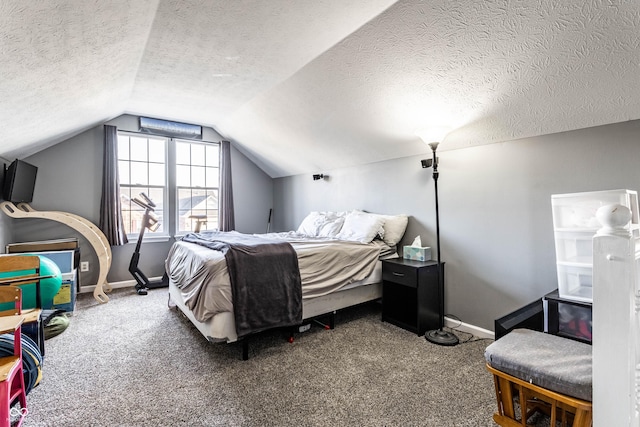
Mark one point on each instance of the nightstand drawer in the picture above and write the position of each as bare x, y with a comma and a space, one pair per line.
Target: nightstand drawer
401, 274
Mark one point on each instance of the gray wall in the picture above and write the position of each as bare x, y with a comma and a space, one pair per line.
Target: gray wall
69, 179
252, 194
496, 226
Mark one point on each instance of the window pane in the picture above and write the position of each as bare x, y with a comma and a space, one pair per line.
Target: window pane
137, 212
197, 202
123, 172
213, 177
212, 202
184, 210
156, 150
198, 176
125, 197
135, 217
212, 210
198, 199
123, 147
142, 159
212, 154
139, 149
135, 193
156, 174
183, 176
184, 199
157, 197
126, 221
139, 173
183, 153
197, 154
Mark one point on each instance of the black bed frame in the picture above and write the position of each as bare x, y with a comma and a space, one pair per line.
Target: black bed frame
302, 327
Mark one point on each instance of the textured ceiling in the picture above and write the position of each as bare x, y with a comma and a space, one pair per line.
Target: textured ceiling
310, 85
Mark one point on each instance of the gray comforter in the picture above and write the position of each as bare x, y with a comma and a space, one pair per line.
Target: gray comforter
264, 276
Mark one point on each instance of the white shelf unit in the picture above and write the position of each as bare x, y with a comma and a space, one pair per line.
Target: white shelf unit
575, 224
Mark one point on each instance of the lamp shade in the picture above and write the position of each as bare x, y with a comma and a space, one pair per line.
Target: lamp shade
433, 133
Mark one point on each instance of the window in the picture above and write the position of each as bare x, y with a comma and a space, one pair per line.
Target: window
142, 169
197, 182
161, 168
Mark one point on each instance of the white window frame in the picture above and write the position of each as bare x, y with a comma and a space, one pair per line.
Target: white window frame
175, 163
163, 215
170, 214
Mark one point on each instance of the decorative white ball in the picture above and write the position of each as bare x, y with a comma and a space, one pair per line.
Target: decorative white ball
613, 216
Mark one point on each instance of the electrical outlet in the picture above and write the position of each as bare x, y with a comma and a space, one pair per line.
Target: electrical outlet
84, 266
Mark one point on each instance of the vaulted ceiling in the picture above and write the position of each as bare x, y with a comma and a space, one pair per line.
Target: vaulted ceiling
312, 85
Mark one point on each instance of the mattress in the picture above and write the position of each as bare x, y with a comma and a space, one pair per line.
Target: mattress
221, 327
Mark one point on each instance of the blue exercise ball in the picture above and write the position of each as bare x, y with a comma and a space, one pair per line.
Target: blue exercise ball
48, 287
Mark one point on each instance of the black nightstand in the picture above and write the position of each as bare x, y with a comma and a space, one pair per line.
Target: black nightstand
410, 294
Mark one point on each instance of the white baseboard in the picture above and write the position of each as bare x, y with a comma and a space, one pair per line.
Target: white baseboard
116, 285
471, 329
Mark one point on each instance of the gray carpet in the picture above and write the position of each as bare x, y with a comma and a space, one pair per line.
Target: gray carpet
135, 362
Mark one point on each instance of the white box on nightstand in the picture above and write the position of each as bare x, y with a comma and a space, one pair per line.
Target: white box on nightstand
417, 254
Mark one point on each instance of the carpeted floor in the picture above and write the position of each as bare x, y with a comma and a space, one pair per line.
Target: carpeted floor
135, 362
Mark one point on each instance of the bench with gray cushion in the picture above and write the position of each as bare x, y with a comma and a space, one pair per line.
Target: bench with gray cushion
542, 370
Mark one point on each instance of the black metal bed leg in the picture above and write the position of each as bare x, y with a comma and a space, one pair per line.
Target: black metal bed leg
332, 321
245, 348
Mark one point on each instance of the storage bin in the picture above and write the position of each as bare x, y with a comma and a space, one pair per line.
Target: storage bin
575, 322
575, 283
65, 299
577, 211
575, 224
569, 319
574, 247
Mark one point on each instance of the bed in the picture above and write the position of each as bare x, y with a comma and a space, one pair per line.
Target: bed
339, 258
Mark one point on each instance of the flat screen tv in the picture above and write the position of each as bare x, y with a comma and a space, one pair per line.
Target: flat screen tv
19, 182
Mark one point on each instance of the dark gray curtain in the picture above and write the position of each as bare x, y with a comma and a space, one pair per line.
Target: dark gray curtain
110, 213
227, 221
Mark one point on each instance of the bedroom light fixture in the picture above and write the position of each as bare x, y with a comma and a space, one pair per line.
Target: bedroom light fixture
439, 336
433, 134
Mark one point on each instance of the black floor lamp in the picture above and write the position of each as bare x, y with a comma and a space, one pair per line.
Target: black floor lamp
438, 336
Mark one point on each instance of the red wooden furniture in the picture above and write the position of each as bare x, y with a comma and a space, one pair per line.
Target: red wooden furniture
12, 388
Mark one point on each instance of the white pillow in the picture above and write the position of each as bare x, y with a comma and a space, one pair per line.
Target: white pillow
361, 227
394, 228
322, 224
311, 224
332, 225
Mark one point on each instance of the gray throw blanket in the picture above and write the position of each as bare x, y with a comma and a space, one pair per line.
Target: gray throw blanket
265, 279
